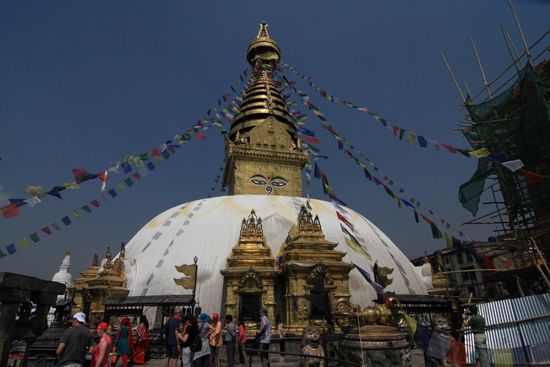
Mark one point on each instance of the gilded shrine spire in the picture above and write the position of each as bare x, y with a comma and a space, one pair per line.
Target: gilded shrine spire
263, 152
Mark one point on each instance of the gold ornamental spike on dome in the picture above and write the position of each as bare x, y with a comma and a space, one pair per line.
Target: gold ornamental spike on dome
263, 45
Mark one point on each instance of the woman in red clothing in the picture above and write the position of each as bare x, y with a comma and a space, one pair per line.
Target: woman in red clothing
100, 358
240, 353
141, 342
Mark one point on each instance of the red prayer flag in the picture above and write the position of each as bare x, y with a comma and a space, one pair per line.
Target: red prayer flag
489, 262
80, 175
395, 130
94, 203
457, 353
156, 153
533, 177
136, 176
449, 148
346, 222
199, 136
102, 176
311, 140
10, 211
47, 230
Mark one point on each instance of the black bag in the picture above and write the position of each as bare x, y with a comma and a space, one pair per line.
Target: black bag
196, 346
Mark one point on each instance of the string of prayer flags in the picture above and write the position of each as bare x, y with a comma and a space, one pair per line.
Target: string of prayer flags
341, 141
411, 137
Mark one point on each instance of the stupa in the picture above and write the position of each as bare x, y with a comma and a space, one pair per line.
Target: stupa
243, 266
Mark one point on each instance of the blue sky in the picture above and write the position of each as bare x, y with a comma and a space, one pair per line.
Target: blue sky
85, 83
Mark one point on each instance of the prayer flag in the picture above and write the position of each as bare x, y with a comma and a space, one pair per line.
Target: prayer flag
138, 162
129, 182
449, 148
513, 165
10, 211
120, 186
66, 220
46, 230
71, 186
126, 168
411, 325
33, 201
435, 144
54, 192
56, 226
86, 209
199, 136
345, 221
411, 137
422, 141
37, 191
165, 154
155, 153
480, 153
77, 214
95, 203
114, 167
533, 177
103, 176
136, 176
311, 140
11, 249
80, 175
143, 171
112, 192
23, 242
34, 237
151, 166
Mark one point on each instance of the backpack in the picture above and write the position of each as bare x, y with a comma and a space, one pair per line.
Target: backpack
165, 331
196, 345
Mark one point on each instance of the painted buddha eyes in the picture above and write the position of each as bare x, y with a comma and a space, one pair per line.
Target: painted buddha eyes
268, 182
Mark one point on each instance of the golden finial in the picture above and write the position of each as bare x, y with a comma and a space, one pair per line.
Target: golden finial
108, 256
68, 252
263, 30
122, 247
95, 261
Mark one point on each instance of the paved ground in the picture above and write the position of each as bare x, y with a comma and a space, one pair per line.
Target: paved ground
417, 361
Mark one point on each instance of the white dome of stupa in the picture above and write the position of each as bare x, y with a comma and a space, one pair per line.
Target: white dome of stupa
63, 276
209, 229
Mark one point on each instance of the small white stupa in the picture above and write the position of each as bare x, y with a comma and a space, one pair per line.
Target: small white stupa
63, 276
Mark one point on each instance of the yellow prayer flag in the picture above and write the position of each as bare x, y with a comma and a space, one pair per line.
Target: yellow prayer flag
128, 159
411, 137
411, 325
37, 191
177, 136
480, 153
77, 214
70, 186
23, 242
357, 248
138, 162
399, 202
448, 240
215, 107
317, 113
121, 186
158, 160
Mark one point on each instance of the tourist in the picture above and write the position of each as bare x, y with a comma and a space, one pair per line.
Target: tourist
141, 343
215, 336
123, 342
202, 358
240, 344
172, 346
477, 323
75, 343
231, 339
100, 357
264, 336
186, 338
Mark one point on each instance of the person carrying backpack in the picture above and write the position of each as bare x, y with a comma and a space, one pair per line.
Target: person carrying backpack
187, 338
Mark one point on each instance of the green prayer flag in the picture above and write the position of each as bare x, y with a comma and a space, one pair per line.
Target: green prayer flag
129, 182
34, 237
436, 233
144, 156
86, 209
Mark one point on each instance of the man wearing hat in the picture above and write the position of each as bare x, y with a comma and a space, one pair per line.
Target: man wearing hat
215, 335
172, 345
101, 350
75, 343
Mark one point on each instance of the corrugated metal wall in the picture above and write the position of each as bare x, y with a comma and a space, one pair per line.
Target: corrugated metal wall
516, 335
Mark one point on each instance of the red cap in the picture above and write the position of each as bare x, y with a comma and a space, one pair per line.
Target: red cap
101, 326
215, 316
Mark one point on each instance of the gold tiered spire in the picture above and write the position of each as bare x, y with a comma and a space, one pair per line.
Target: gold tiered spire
263, 152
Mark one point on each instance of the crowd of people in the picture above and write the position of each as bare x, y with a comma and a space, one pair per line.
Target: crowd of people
194, 338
